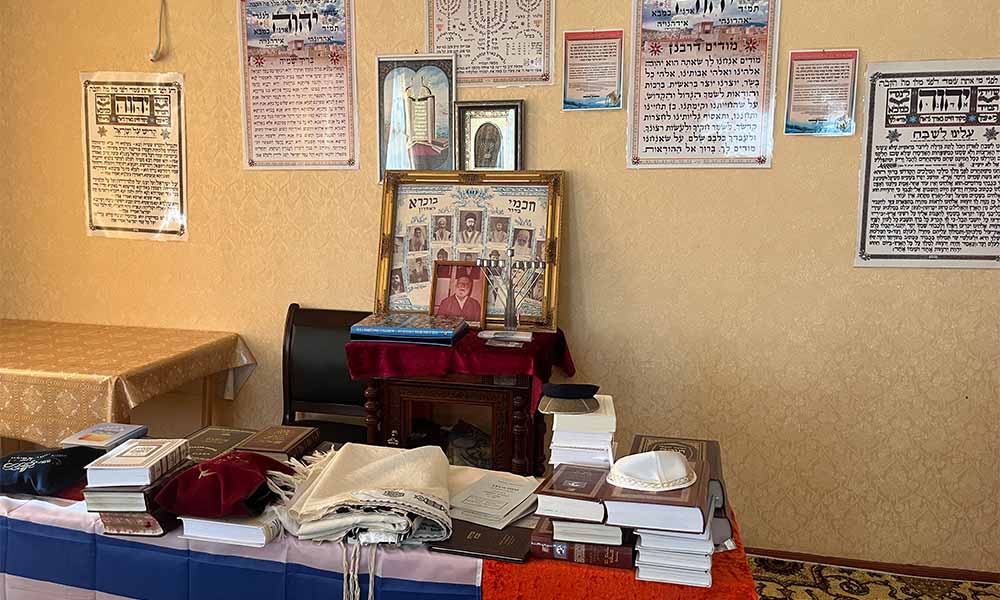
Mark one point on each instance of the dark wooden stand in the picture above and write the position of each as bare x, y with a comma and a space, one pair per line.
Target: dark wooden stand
517, 436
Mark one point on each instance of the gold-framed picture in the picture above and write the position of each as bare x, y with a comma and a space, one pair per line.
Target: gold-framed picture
430, 216
458, 289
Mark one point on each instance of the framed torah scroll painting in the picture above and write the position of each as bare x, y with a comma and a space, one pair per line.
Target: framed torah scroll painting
509, 221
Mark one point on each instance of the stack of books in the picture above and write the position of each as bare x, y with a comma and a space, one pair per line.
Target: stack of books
412, 328
586, 439
122, 485
572, 527
678, 530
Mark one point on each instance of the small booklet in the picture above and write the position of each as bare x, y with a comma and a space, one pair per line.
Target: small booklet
495, 501
104, 435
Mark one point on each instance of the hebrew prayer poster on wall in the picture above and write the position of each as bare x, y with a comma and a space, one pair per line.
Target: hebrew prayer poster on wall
702, 83
930, 187
300, 108
592, 69
135, 158
495, 42
821, 86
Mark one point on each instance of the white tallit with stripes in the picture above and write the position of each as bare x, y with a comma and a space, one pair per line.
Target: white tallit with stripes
371, 494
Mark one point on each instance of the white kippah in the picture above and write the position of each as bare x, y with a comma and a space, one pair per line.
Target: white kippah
657, 471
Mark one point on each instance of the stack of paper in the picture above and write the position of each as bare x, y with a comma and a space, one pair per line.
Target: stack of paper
587, 439
495, 501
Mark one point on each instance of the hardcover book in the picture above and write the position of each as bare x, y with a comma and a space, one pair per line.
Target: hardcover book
210, 442
510, 544
709, 451
685, 510
144, 524
255, 532
573, 492
136, 462
129, 498
410, 325
105, 435
544, 546
282, 442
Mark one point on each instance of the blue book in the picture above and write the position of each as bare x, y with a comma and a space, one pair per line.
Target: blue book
403, 325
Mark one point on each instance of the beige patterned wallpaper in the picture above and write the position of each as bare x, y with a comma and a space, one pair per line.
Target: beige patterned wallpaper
857, 409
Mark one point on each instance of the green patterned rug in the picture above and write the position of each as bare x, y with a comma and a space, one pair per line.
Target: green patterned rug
788, 580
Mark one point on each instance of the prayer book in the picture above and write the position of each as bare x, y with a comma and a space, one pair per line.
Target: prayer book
588, 533
105, 435
136, 462
282, 442
602, 420
573, 492
211, 442
696, 578
686, 509
691, 543
255, 532
574, 439
130, 498
144, 524
543, 545
711, 452
400, 325
675, 560
510, 544
495, 501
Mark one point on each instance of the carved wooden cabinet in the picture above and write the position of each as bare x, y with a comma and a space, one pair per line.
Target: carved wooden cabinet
478, 420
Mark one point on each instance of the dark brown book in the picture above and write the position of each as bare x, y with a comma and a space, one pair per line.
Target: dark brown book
210, 442
544, 546
144, 524
573, 492
282, 442
685, 510
130, 498
509, 544
698, 450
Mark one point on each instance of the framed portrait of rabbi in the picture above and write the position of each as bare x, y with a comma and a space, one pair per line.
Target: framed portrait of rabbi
458, 289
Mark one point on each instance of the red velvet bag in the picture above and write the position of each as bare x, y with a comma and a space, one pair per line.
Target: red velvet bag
234, 484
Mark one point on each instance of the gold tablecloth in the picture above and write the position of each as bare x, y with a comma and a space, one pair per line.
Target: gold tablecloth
58, 378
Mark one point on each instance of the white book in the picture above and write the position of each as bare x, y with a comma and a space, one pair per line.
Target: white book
526, 508
494, 495
104, 435
570, 508
600, 421
694, 543
678, 560
136, 462
671, 575
255, 532
586, 533
583, 456
575, 439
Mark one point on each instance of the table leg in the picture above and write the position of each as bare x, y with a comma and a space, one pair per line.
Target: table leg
519, 462
372, 412
541, 428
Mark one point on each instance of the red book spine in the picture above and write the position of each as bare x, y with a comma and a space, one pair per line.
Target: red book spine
620, 557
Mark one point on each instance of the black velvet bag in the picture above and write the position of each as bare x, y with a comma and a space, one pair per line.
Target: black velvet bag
45, 472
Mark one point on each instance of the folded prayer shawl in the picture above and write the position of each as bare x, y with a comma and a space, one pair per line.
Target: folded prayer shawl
368, 494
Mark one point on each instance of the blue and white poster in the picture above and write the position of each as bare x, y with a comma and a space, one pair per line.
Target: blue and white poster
592, 70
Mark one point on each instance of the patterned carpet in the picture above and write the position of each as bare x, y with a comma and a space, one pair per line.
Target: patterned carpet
786, 580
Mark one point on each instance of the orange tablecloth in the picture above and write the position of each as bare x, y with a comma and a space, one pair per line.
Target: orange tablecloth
561, 580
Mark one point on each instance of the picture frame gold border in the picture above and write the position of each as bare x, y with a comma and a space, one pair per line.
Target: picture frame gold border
553, 180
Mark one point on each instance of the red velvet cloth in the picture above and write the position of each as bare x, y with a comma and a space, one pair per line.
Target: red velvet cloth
538, 578
221, 487
470, 355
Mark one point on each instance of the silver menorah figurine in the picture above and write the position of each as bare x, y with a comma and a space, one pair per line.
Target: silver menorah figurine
513, 281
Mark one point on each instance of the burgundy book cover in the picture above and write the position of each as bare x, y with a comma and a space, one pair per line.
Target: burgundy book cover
576, 482
469, 539
544, 546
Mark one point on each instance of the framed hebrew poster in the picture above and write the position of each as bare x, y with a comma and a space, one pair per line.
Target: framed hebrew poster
468, 216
